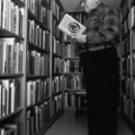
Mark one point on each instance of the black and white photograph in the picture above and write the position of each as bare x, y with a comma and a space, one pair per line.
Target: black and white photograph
67, 67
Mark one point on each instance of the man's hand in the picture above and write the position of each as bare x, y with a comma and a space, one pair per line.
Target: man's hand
81, 38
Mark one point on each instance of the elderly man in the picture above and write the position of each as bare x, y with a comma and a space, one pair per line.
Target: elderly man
100, 63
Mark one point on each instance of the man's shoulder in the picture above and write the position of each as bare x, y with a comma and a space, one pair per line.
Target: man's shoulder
108, 9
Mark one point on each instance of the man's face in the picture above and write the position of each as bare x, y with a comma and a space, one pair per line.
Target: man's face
89, 4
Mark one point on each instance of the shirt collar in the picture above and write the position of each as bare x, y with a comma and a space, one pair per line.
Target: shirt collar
101, 5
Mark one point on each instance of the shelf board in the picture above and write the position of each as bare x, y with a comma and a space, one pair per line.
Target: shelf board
58, 93
56, 74
5, 33
33, 77
11, 115
72, 58
74, 73
73, 90
57, 55
3, 76
37, 48
38, 103
19, 3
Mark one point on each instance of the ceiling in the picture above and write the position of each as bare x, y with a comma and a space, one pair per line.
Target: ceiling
70, 5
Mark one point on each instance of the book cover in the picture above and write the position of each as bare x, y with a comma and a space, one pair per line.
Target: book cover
69, 25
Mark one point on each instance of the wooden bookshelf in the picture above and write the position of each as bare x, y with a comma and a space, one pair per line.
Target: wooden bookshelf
56, 57
31, 61
12, 60
73, 74
127, 89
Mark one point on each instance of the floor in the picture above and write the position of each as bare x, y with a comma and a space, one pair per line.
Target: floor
68, 125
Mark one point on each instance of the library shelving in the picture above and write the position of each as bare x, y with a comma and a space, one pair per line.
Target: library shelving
12, 61
127, 57
31, 58
57, 93
73, 74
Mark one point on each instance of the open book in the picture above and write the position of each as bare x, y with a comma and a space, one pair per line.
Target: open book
69, 25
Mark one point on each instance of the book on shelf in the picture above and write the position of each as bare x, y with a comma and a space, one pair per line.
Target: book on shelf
9, 97
37, 91
71, 26
9, 129
37, 118
11, 17
11, 54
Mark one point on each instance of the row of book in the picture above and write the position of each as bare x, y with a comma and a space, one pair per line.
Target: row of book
57, 47
37, 91
133, 71
38, 36
125, 47
9, 96
71, 66
37, 63
55, 27
126, 66
10, 129
69, 100
127, 107
127, 89
57, 84
130, 22
37, 118
73, 82
133, 89
56, 10
57, 67
11, 54
57, 104
40, 11
132, 39
125, 7
11, 17
71, 51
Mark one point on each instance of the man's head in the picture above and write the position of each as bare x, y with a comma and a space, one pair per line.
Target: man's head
88, 5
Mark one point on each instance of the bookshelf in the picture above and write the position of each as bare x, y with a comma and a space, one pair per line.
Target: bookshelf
73, 74
127, 93
57, 92
12, 59
31, 58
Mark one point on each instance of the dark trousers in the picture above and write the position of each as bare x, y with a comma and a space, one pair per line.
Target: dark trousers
102, 81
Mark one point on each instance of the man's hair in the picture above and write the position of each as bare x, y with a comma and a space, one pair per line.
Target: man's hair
85, 1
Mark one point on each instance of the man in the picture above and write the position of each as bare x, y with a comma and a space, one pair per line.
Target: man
100, 63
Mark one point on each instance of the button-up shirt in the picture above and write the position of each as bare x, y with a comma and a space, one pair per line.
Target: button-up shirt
103, 26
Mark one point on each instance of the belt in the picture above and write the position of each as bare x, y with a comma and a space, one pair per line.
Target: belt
97, 48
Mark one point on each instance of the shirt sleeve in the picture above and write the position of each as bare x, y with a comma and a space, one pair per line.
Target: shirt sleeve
109, 29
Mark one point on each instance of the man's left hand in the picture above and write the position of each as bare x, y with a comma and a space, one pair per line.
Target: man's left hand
81, 38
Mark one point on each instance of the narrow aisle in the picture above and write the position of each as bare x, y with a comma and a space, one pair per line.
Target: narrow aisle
68, 125
123, 129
